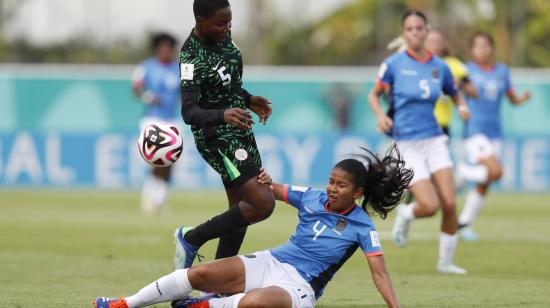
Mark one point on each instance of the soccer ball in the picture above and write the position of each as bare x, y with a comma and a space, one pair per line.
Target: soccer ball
160, 144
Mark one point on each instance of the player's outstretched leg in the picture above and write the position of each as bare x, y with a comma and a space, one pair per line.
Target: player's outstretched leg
221, 276
257, 204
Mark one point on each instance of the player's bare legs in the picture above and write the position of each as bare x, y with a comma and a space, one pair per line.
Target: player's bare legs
475, 199
429, 196
257, 201
266, 297
224, 276
426, 199
494, 173
445, 185
425, 205
448, 239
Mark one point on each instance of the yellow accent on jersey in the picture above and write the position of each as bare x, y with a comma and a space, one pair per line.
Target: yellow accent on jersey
443, 108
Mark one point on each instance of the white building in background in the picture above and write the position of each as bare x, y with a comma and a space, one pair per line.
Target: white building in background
44, 22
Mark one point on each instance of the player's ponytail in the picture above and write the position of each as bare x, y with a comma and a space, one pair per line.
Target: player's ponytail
383, 180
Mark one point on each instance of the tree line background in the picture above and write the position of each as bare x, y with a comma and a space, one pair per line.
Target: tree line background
356, 34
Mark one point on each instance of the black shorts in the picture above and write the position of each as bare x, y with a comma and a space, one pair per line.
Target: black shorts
235, 157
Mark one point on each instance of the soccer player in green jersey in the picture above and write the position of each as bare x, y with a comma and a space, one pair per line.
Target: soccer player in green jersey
216, 106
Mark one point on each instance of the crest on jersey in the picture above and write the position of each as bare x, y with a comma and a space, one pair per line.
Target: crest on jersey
186, 71
435, 73
241, 154
341, 224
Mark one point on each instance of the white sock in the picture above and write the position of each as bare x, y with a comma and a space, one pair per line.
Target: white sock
154, 193
160, 194
226, 302
472, 206
408, 211
474, 173
447, 247
168, 288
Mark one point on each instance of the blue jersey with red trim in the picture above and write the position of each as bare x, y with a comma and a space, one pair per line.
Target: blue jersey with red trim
162, 80
491, 84
323, 240
414, 86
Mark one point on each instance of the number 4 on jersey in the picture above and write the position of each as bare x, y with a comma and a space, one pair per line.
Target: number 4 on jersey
318, 231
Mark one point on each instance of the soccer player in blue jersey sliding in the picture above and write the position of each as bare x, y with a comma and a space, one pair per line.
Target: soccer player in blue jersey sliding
331, 227
483, 132
156, 83
414, 79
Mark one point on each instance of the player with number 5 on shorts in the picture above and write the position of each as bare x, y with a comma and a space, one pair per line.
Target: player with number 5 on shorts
414, 79
331, 227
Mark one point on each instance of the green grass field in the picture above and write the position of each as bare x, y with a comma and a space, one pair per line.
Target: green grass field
63, 249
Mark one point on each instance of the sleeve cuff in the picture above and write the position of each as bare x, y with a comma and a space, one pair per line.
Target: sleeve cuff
137, 84
220, 119
382, 84
246, 97
374, 253
285, 193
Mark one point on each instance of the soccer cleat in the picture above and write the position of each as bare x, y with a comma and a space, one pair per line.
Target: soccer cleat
468, 234
450, 268
194, 302
400, 230
185, 252
105, 302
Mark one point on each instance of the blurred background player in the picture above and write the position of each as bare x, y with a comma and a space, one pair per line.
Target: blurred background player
331, 227
483, 132
156, 83
414, 80
437, 43
215, 105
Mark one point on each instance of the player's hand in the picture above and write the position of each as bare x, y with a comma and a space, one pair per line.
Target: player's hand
265, 178
384, 124
464, 112
525, 97
260, 106
238, 118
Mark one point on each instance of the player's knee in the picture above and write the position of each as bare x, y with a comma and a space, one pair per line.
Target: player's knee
197, 275
495, 173
264, 206
448, 205
429, 208
252, 301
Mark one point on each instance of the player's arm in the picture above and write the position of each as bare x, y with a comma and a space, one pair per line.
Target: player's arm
449, 88
515, 99
382, 280
462, 107
468, 87
193, 114
258, 104
381, 86
385, 123
138, 87
279, 190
